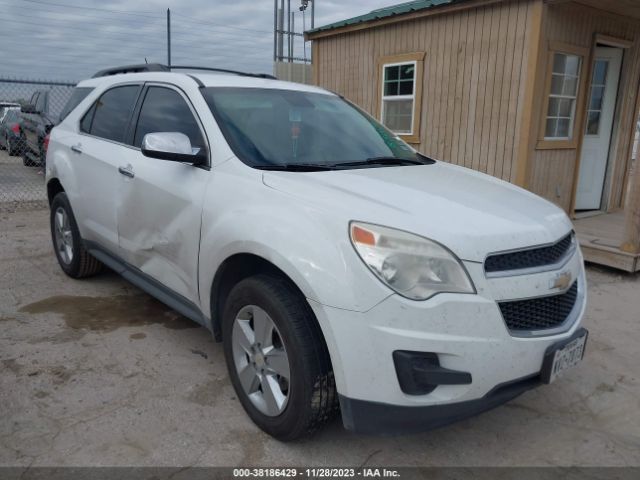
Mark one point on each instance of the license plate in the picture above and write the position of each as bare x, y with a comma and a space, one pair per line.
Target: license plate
562, 357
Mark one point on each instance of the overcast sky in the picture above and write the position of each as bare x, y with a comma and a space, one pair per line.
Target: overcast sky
71, 39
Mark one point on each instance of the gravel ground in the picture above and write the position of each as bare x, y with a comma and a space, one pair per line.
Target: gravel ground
96, 372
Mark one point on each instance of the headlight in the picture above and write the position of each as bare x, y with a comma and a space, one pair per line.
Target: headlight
413, 266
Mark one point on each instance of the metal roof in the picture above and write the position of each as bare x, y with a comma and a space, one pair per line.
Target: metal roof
386, 12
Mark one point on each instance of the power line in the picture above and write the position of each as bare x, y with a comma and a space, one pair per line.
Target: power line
145, 14
83, 7
149, 35
161, 31
200, 22
18, 9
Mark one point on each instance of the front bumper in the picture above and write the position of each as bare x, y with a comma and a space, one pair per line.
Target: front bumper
466, 332
380, 418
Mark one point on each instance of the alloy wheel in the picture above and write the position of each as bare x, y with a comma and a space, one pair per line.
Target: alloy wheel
261, 360
63, 235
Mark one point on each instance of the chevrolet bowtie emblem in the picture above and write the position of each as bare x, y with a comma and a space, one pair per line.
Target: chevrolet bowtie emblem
561, 282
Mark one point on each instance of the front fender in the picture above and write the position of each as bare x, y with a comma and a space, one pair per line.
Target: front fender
310, 246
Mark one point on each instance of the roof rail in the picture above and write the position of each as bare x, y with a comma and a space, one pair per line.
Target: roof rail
158, 67
143, 67
223, 70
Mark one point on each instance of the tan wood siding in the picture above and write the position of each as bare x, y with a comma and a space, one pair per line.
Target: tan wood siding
553, 173
474, 71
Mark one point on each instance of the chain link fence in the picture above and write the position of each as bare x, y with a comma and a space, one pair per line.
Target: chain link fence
28, 111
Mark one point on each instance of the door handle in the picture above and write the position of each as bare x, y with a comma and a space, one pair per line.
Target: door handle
76, 148
127, 171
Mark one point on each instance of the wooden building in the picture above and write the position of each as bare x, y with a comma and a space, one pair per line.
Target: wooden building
541, 93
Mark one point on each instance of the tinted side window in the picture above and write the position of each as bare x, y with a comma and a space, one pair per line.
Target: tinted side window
112, 112
79, 94
164, 110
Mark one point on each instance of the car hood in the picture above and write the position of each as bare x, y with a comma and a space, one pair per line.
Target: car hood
473, 214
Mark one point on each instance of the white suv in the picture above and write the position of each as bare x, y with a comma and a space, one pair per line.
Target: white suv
341, 269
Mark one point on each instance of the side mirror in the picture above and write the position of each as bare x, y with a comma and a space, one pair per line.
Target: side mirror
172, 146
28, 108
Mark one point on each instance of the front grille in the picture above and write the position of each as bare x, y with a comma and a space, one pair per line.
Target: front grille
539, 313
534, 257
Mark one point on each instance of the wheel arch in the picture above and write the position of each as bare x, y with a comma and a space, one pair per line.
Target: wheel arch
234, 269
54, 187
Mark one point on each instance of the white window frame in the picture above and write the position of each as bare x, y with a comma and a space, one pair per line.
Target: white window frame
572, 116
392, 98
571, 142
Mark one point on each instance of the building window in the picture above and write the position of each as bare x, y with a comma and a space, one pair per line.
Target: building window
561, 110
596, 96
401, 94
398, 97
563, 99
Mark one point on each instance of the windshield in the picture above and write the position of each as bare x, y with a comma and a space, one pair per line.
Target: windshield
269, 127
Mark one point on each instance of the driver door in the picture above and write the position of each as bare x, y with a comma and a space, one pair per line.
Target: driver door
160, 211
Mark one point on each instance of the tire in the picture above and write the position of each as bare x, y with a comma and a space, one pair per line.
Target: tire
10, 148
310, 393
14, 150
73, 258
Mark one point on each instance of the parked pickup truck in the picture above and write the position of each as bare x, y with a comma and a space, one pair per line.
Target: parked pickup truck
341, 269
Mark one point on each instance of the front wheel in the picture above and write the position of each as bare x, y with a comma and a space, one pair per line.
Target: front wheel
73, 258
277, 358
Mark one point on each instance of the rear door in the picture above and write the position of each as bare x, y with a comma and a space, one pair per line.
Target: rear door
97, 153
160, 210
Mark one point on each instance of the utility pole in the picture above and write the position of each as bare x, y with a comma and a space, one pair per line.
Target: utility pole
275, 30
289, 38
292, 29
282, 30
168, 38
313, 14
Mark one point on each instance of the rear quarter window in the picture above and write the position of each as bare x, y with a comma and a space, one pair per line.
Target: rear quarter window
78, 95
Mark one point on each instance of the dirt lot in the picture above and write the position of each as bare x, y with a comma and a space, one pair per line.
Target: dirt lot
95, 372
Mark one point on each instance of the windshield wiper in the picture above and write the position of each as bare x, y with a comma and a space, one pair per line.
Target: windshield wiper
296, 167
386, 161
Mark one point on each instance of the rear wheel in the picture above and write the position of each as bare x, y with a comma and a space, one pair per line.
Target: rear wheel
277, 358
73, 258
11, 149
